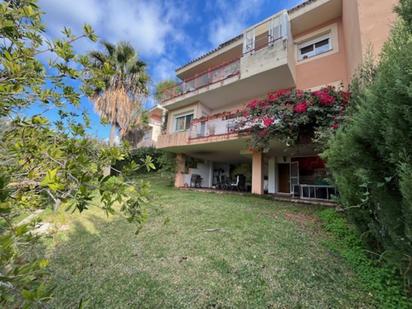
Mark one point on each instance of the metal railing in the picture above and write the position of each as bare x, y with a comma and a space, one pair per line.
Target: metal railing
316, 192
211, 76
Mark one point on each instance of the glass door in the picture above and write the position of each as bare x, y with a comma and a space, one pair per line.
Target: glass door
294, 177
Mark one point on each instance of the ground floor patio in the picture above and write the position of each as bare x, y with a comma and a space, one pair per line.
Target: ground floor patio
291, 173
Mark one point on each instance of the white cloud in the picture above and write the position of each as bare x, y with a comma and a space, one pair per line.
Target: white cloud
148, 25
231, 19
164, 69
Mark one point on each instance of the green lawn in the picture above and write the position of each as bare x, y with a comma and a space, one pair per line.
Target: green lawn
265, 254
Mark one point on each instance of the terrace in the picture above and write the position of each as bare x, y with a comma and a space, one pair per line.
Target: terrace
263, 55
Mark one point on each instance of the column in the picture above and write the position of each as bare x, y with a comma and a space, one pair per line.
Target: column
257, 173
180, 170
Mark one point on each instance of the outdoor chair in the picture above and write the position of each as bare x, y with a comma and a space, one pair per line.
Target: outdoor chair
195, 181
223, 183
239, 184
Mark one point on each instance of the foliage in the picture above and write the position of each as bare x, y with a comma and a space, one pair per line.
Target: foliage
380, 279
404, 10
161, 160
163, 86
46, 162
291, 114
244, 169
370, 156
125, 85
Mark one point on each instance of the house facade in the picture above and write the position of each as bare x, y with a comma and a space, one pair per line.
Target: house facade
154, 127
315, 44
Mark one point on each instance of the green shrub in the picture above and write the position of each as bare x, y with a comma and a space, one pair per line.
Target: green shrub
163, 161
370, 156
380, 279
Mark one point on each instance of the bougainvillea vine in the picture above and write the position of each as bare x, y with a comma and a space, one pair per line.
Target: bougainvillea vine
292, 114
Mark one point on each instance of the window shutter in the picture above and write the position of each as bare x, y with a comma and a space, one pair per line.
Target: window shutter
248, 41
274, 30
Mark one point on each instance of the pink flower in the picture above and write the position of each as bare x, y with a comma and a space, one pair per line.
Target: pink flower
252, 104
301, 107
245, 113
273, 96
324, 97
335, 126
263, 103
267, 122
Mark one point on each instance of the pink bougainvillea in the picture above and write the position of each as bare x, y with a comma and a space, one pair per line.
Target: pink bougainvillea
253, 104
273, 96
267, 121
298, 113
301, 107
324, 97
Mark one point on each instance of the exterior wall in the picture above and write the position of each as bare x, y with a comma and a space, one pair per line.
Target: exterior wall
204, 170
264, 59
322, 69
366, 26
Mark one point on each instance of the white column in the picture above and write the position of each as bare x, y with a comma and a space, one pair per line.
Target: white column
272, 175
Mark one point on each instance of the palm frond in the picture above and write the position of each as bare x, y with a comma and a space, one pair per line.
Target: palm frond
121, 100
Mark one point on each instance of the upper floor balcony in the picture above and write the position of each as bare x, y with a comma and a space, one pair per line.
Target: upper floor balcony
260, 60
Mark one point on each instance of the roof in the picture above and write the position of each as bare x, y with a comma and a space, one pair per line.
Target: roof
299, 6
295, 8
224, 44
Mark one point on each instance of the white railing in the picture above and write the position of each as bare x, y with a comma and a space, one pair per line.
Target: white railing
214, 126
317, 192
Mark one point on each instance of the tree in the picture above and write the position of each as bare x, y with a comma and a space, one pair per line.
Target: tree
119, 101
43, 161
163, 86
370, 157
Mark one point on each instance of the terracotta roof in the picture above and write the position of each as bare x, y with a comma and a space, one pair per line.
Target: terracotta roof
299, 6
295, 8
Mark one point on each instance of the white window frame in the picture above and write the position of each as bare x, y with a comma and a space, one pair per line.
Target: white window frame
313, 42
180, 116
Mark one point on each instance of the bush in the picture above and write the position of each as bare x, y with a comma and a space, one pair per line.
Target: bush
371, 156
379, 279
163, 161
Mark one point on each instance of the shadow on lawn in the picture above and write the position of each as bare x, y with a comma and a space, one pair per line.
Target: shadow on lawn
96, 264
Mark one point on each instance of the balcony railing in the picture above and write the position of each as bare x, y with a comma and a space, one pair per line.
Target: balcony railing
215, 125
211, 76
315, 192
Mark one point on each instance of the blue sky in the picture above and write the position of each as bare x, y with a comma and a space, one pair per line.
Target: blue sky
166, 33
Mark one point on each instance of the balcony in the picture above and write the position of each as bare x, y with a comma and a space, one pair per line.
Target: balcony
214, 128
266, 63
209, 77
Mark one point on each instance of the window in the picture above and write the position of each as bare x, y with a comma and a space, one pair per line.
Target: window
314, 47
182, 122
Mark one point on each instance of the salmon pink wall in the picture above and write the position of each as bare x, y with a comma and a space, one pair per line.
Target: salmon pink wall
324, 69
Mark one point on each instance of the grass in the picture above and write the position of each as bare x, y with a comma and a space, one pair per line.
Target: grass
264, 254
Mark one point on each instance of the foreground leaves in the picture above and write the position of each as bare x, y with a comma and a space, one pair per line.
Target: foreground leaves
44, 162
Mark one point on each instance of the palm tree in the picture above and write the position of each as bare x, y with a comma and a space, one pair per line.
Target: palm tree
120, 100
